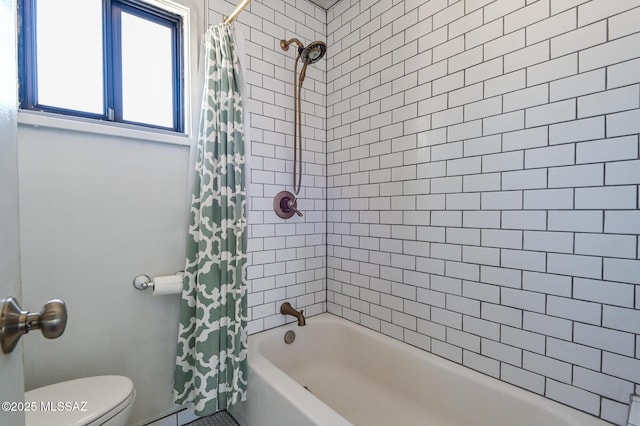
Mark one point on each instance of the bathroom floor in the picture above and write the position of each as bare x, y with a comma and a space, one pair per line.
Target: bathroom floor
222, 418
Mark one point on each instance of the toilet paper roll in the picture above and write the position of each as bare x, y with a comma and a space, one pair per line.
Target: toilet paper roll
168, 284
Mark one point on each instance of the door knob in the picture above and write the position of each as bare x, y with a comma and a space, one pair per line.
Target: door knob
14, 322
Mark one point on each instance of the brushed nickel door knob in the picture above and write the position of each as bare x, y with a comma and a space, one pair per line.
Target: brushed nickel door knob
52, 319
14, 322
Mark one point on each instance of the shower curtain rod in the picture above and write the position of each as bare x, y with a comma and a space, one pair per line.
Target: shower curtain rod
239, 8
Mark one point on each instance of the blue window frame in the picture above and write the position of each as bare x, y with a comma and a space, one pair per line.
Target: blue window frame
128, 71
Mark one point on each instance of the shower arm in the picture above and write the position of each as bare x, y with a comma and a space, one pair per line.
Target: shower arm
284, 44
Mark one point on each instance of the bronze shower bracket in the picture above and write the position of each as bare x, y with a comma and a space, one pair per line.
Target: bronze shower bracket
284, 44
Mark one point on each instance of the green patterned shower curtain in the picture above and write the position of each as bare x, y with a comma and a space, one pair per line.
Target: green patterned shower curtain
211, 362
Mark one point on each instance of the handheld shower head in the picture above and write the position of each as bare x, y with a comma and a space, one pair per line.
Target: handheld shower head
313, 52
310, 54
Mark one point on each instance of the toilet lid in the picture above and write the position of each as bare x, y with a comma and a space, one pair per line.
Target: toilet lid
78, 402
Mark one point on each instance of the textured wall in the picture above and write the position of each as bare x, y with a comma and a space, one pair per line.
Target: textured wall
483, 187
287, 260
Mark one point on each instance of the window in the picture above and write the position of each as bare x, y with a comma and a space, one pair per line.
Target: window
112, 60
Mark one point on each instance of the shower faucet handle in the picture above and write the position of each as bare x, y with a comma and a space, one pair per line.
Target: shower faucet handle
285, 205
292, 205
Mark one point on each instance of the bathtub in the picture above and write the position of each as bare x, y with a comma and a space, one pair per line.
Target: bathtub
337, 373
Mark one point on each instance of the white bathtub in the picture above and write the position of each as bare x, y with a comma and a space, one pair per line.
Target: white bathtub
359, 377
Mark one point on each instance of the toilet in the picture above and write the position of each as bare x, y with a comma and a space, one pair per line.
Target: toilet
90, 401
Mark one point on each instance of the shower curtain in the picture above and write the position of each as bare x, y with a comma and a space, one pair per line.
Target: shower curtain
211, 362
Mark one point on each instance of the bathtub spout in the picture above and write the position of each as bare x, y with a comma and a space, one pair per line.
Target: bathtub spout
287, 309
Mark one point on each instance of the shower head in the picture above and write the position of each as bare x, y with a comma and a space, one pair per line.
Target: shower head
310, 54
313, 52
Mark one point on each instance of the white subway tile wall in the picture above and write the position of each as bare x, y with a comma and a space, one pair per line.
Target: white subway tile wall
482, 186
287, 259
470, 182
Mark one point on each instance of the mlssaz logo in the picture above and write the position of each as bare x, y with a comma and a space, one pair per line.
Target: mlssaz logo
67, 406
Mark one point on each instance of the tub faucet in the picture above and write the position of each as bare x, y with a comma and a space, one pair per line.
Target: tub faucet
287, 309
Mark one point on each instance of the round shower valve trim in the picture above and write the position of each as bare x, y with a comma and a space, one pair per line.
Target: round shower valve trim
285, 205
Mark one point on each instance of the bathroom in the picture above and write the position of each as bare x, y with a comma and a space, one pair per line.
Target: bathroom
470, 188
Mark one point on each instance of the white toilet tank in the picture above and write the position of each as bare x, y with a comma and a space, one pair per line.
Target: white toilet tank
91, 401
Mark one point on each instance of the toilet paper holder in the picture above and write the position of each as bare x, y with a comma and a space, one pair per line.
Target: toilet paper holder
144, 281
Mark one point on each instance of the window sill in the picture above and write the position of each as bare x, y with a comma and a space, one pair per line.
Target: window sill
76, 124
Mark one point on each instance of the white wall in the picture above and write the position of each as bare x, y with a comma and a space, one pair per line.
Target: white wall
483, 187
95, 212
